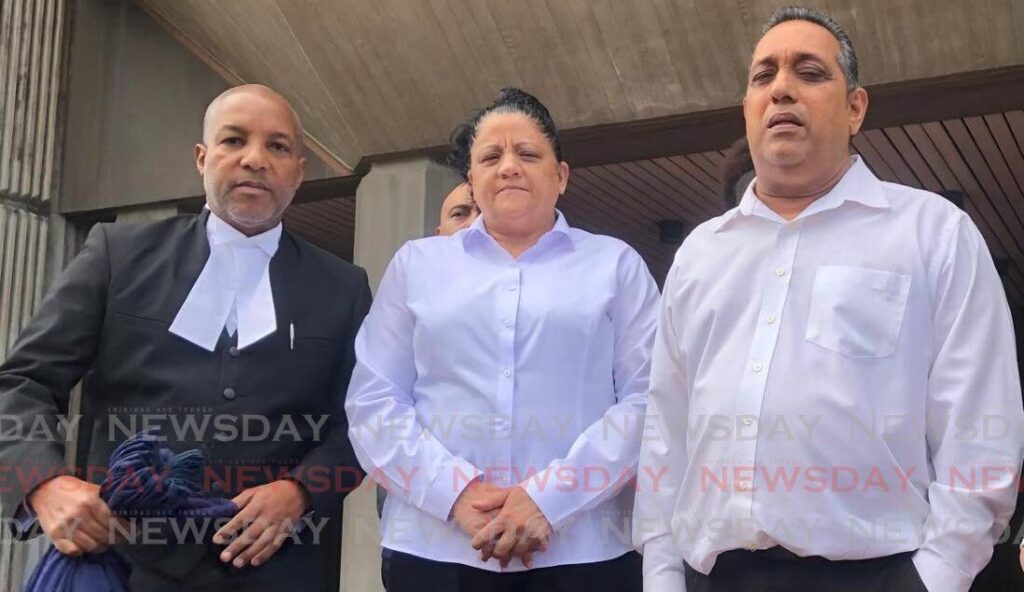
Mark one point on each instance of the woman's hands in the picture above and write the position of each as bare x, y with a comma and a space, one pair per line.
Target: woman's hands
519, 530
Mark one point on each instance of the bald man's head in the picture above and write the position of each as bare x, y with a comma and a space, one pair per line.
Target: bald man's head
458, 211
258, 89
251, 157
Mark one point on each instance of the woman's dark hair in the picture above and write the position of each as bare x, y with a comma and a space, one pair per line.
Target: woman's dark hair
510, 100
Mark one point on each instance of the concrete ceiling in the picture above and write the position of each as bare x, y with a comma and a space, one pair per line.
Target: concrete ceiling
378, 77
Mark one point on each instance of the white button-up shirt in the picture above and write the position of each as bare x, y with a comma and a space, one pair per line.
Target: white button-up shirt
233, 291
843, 385
532, 371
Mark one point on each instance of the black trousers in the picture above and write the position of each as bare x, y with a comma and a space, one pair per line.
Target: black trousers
408, 573
778, 570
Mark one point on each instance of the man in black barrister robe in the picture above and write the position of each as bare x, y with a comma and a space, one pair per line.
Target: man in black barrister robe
228, 332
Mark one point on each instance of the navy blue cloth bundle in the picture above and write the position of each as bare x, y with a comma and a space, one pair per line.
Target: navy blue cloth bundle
145, 479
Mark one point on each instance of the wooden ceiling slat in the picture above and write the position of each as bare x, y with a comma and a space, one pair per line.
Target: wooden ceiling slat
710, 168
632, 188
932, 157
1000, 129
332, 214
338, 243
671, 176
709, 182
938, 164
965, 177
652, 192
596, 211
596, 177
592, 206
997, 164
968, 148
609, 211
1016, 121
323, 220
710, 198
583, 215
717, 158
313, 224
671, 192
873, 159
880, 142
902, 143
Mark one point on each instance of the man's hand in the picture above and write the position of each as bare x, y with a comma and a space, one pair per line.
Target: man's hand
519, 530
1022, 558
267, 515
72, 514
464, 512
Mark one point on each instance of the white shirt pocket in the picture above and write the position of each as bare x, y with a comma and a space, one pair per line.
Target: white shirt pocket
856, 311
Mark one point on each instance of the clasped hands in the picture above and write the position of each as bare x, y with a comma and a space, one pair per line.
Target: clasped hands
71, 512
504, 522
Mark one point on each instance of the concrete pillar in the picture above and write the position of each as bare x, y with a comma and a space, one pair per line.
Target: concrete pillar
396, 202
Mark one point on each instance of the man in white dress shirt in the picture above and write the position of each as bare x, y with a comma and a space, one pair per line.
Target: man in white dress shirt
834, 390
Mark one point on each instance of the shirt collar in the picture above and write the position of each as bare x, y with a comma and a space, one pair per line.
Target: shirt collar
478, 230
858, 185
220, 233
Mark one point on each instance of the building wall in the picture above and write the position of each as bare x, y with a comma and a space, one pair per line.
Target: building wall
135, 107
32, 54
136, 100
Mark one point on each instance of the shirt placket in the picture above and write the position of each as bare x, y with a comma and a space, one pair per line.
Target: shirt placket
775, 282
508, 312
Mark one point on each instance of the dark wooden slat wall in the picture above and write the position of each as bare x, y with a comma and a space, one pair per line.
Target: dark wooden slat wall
980, 156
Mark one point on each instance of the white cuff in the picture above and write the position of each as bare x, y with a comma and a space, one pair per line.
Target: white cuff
664, 569
447, 486
938, 575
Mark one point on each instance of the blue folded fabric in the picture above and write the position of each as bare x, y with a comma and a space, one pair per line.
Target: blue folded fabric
145, 479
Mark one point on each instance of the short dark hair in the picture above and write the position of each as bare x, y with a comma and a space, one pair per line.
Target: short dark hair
510, 100
847, 55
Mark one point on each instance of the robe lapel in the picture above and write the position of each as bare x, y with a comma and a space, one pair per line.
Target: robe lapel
189, 258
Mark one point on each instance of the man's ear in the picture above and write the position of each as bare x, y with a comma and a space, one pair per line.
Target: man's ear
302, 170
563, 177
858, 108
201, 158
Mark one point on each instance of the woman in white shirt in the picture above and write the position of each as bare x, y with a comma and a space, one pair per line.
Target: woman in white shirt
500, 384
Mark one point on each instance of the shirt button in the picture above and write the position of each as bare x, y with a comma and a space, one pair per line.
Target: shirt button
748, 421
769, 319
758, 367
506, 373
229, 393
751, 546
780, 271
234, 352
508, 324
511, 288
742, 486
